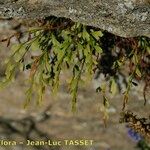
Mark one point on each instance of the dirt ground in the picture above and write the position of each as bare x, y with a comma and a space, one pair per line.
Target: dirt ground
86, 123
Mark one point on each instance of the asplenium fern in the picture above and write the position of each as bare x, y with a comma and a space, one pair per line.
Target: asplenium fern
60, 44
75, 47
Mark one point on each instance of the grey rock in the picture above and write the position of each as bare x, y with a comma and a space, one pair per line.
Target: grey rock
126, 18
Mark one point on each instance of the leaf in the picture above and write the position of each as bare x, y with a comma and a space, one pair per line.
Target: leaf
29, 92
118, 63
21, 67
40, 94
19, 55
4, 83
28, 97
10, 70
135, 59
138, 72
65, 34
54, 41
65, 45
15, 48
98, 49
97, 34
113, 87
35, 45
79, 35
80, 49
85, 34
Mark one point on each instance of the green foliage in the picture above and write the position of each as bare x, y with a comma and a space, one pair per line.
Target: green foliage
74, 47
61, 44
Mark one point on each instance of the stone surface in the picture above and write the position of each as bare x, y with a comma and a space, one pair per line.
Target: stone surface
125, 18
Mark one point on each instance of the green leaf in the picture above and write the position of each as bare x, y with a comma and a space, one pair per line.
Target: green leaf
54, 41
65, 34
80, 49
113, 87
19, 55
138, 72
35, 45
28, 93
15, 47
97, 34
98, 49
118, 63
135, 59
85, 35
41, 91
10, 70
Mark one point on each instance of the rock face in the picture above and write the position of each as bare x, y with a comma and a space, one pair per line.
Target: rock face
126, 18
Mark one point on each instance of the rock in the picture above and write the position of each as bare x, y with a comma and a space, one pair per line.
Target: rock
128, 18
